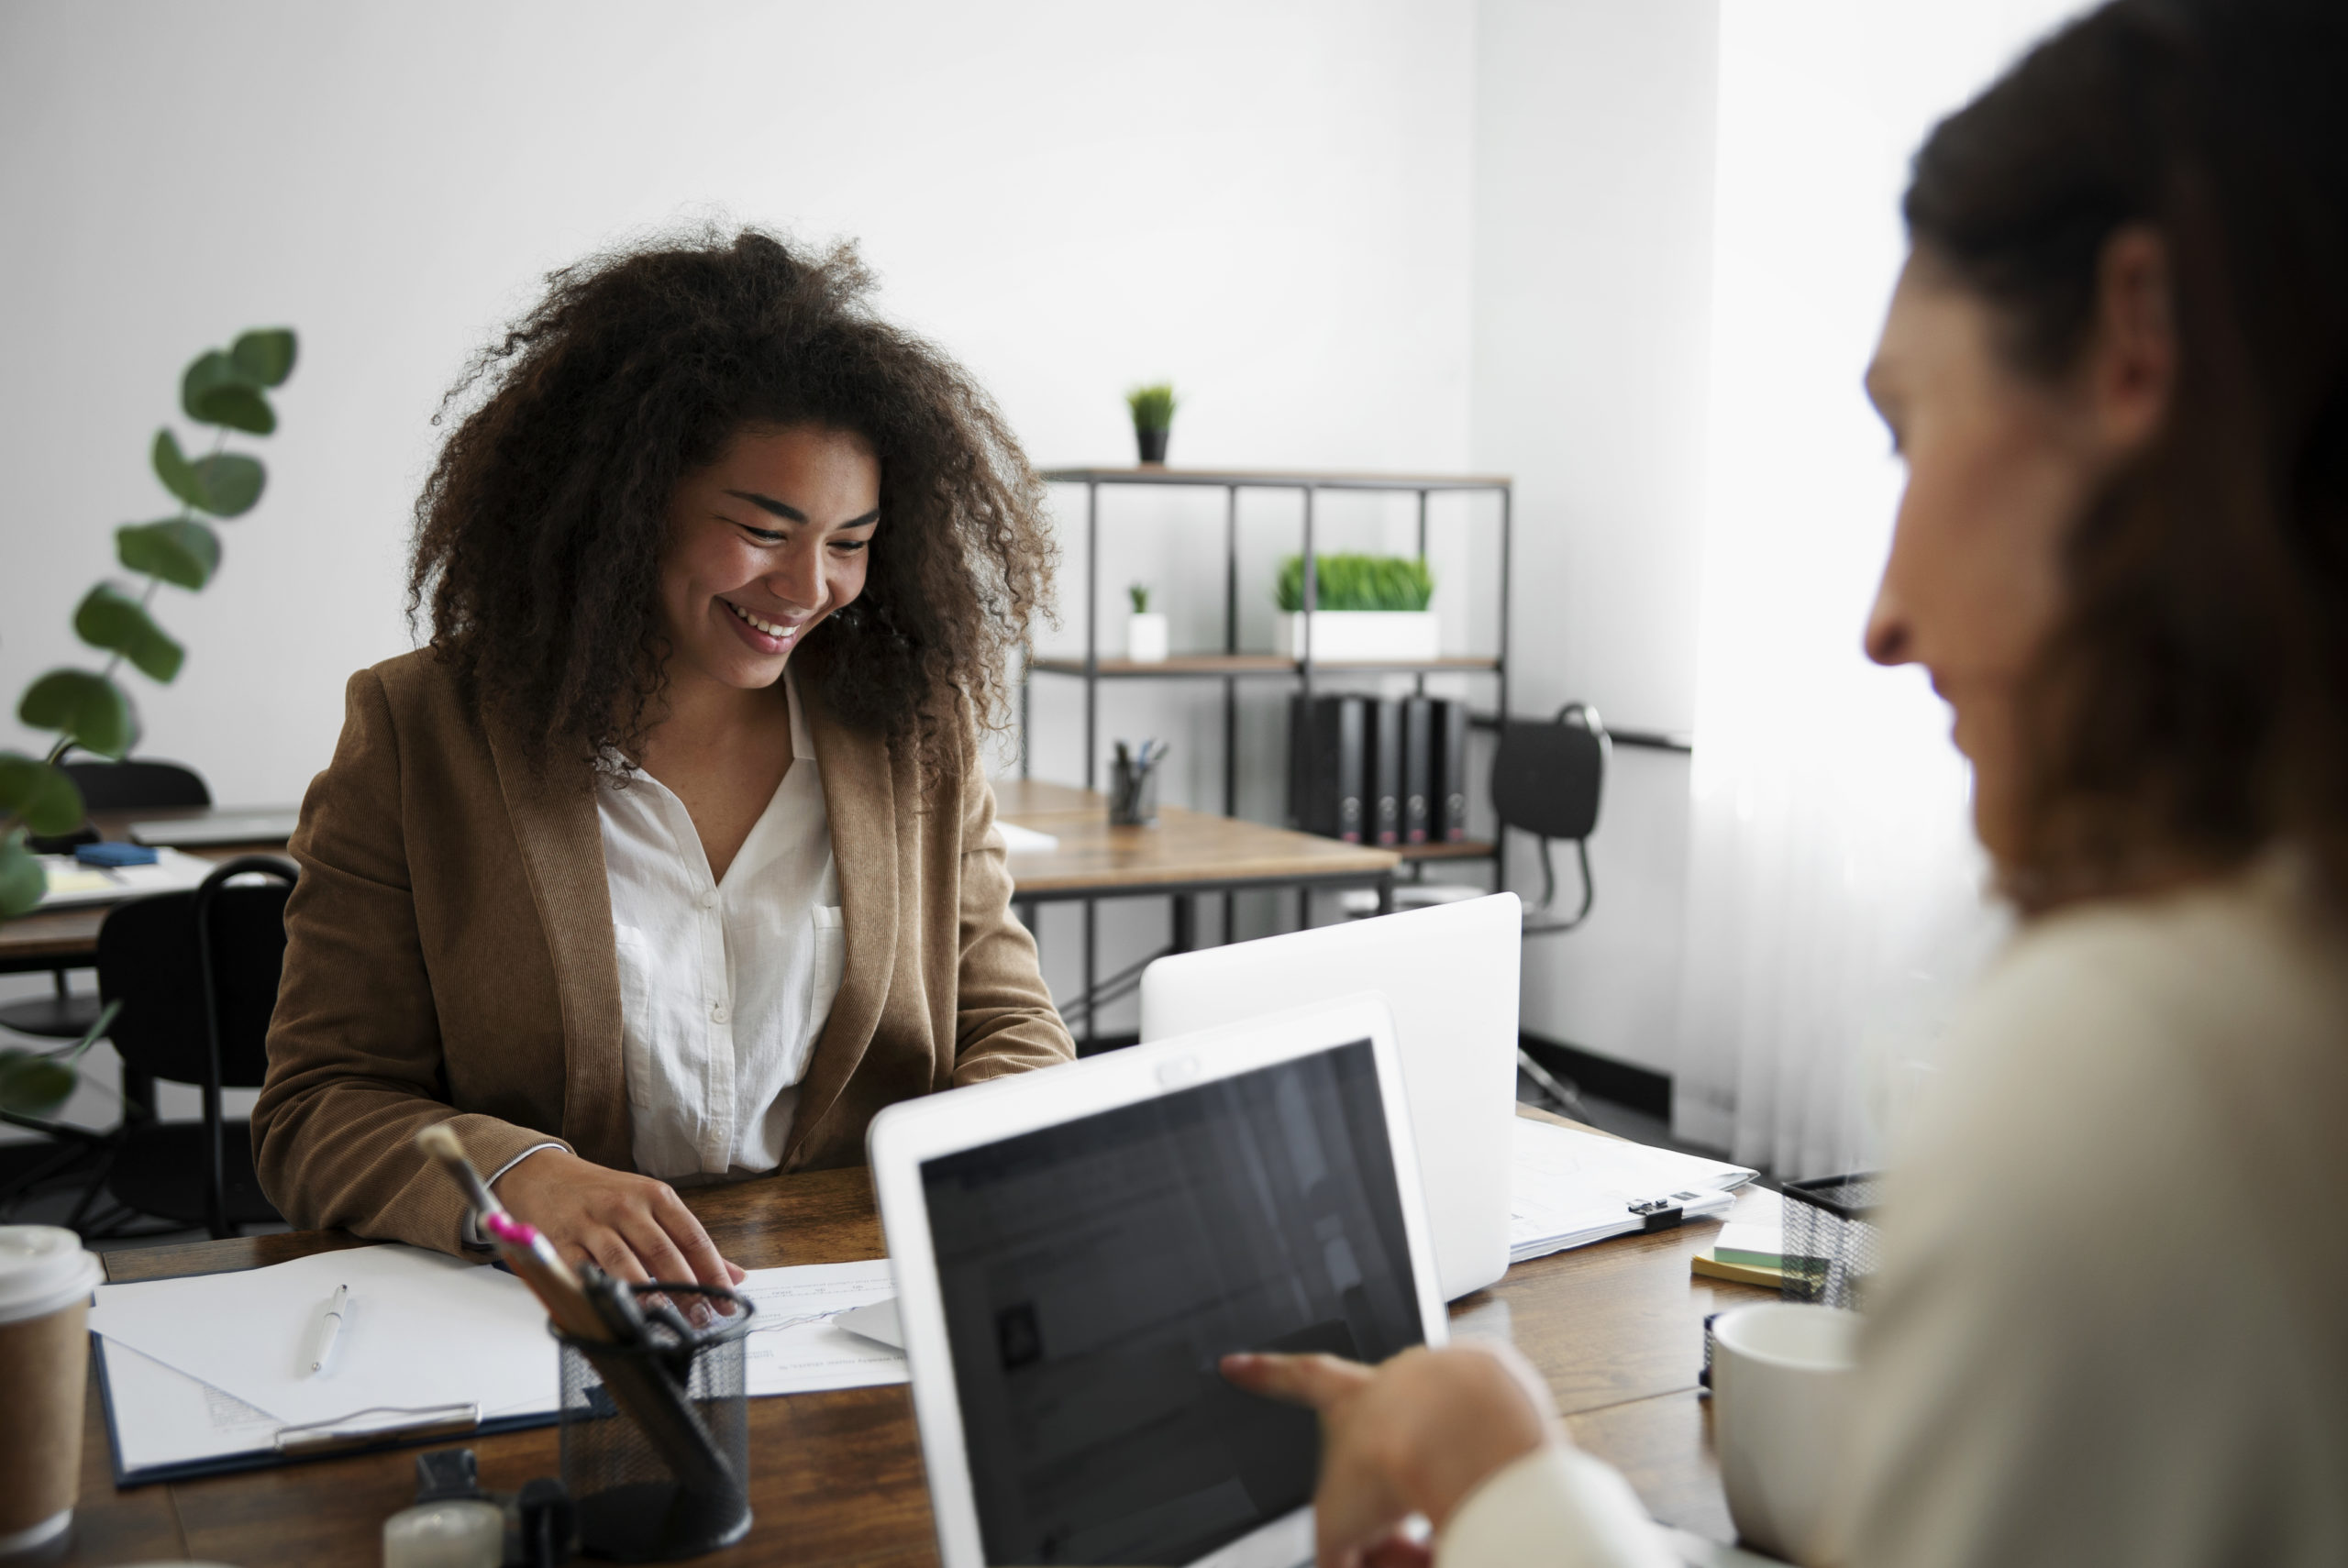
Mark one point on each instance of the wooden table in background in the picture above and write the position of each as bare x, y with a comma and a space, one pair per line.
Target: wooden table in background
67, 938
837, 1477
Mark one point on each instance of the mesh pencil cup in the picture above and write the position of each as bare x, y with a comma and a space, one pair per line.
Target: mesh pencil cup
1831, 1242
656, 1436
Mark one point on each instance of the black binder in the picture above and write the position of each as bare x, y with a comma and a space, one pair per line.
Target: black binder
1448, 758
1418, 768
1382, 771
1325, 766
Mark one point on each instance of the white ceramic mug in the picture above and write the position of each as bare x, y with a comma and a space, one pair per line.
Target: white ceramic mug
1785, 1379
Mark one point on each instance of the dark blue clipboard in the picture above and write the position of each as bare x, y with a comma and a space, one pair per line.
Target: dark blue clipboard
268, 1458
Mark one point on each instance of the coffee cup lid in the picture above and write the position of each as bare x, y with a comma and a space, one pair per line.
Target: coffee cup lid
42, 1268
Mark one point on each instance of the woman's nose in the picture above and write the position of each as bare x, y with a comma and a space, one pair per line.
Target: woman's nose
1887, 639
798, 580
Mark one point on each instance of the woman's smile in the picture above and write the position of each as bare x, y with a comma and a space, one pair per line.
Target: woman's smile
767, 635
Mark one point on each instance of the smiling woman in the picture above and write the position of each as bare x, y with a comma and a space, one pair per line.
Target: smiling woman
672, 858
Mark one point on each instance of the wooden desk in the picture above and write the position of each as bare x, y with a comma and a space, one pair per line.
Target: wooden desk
67, 938
837, 1478
1187, 852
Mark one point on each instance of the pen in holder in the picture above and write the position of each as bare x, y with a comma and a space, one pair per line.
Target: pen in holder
1133, 784
656, 1433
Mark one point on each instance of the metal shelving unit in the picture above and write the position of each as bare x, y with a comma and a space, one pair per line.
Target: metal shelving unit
1231, 667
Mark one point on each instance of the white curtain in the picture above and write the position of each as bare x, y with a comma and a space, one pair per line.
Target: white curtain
1835, 905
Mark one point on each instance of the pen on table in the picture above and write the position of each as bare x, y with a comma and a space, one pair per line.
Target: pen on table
329, 1330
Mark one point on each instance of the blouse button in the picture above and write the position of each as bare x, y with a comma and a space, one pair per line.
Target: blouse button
717, 1012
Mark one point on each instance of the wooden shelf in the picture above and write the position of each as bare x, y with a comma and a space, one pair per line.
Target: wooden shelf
1275, 479
1231, 665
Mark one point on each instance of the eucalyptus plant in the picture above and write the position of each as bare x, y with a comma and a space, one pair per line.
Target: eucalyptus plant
226, 390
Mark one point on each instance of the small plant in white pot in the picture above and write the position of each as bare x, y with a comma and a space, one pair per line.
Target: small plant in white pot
1146, 634
1367, 608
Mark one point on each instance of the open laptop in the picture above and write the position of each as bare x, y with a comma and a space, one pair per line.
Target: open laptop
1076, 1248
1450, 975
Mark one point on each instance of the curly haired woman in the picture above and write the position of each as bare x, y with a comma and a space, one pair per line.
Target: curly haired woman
671, 859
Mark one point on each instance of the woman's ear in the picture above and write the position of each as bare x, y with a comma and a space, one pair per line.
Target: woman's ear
2132, 360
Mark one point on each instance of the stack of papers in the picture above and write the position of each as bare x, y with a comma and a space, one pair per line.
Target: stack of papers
1568, 1189
202, 1372
71, 883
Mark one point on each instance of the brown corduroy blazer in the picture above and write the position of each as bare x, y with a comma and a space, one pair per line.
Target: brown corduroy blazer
449, 958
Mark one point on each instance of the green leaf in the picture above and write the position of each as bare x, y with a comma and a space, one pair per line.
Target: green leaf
88, 707
41, 796
265, 356
181, 552
119, 624
215, 391
22, 881
225, 484
35, 1086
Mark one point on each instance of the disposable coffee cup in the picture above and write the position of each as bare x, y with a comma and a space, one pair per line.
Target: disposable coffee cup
45, 1283
1785, 1384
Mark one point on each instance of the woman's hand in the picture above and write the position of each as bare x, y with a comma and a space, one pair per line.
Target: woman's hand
634, 1228
1414, 1436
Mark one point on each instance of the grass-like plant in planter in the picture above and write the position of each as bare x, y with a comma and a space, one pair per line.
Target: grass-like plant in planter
226, 390
1365, 608
1153, 410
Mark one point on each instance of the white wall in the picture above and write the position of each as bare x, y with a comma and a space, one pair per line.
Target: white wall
1267, 201
1594, 147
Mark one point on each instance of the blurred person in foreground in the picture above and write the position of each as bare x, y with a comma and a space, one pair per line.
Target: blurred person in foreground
2107, 1329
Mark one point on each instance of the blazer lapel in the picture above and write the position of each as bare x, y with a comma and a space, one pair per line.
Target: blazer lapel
562, 851
860, 803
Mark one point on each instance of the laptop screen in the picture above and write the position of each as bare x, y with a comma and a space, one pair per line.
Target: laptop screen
1093, 1273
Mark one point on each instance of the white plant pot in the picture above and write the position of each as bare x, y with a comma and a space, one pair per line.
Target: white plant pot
1145, 637
1340, 636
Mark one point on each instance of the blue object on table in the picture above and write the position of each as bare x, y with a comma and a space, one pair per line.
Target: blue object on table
114, 853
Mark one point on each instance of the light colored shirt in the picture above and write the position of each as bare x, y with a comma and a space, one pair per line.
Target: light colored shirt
2106, 1327
725, 984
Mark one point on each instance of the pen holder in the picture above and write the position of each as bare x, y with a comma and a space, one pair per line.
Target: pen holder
656, 1435
1831, 1244
1133, 793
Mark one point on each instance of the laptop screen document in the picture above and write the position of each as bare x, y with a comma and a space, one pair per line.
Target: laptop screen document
1093, 1271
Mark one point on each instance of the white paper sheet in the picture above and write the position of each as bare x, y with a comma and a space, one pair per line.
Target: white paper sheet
1017, 840
421, 1328
69, 883
163, 1416
796, 1346
1567, 1188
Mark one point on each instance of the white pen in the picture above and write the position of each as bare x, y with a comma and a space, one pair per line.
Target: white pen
329, 1330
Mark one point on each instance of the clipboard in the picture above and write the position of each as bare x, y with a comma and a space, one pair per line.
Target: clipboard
236, 1453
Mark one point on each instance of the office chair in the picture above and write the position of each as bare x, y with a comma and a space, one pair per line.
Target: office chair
1548, 778
138, 785
197, 975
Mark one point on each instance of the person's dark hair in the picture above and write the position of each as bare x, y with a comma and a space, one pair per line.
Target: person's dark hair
2191, 706
538, 536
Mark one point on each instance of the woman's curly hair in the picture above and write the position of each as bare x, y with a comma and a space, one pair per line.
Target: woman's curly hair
539, 535
2191, 705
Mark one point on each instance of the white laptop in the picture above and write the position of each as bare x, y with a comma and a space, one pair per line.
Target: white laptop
1076, 1248
1450, 975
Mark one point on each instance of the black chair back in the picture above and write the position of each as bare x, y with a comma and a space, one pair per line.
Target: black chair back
136, 786
150, 959
1547, 780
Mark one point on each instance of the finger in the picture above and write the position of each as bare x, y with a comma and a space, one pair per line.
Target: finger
1315, 1381
734, 1274
656, 1250
611, 1253
698, 1252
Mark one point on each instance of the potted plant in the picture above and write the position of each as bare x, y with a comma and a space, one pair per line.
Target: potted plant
86, 707
1367, 608
1146, 634
1153, 409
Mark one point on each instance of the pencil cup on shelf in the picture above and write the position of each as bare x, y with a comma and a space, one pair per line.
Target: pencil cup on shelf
1133, 784
1831, 1246
656, 1434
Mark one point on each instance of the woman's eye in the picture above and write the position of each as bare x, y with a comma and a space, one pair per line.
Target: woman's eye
849, 545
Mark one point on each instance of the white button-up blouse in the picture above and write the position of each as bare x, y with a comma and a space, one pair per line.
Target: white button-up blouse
725, 985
